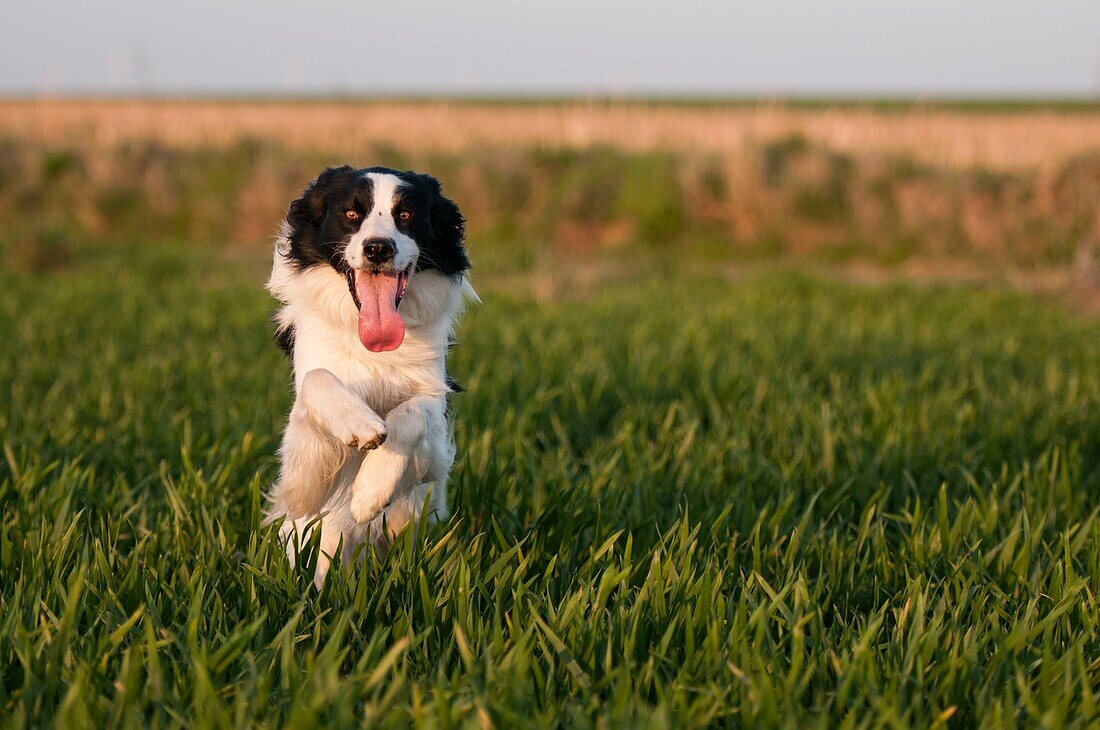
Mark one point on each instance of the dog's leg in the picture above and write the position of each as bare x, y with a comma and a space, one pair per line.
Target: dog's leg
337, 536
441, 457
339, 411
417, 444
296, 533
327, 418
407, 509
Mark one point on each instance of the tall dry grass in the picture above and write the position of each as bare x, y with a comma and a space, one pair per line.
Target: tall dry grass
1008, 140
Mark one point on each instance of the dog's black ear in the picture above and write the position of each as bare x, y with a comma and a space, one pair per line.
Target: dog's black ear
307, 212
309, 209
449, 230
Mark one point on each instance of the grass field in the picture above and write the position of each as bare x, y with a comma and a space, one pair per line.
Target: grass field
785, 501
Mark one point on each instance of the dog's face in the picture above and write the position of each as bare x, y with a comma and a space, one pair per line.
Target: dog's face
377, 227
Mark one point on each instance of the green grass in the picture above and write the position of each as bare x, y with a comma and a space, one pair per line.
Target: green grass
785, 501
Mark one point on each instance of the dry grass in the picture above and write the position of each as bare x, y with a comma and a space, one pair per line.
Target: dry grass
1009, 140
943, 193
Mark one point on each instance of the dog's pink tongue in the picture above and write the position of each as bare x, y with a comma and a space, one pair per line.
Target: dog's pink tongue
380, 326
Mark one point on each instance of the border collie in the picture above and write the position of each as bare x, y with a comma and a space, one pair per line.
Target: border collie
370, 269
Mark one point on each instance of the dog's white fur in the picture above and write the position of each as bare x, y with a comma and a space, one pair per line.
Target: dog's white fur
379, 223
348, 398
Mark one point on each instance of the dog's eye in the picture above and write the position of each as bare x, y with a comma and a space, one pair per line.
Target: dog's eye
404, 215
351, 215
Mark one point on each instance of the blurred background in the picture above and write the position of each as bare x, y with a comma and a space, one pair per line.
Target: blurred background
933, 140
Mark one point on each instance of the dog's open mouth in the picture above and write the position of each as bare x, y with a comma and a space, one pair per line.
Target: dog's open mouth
377, 294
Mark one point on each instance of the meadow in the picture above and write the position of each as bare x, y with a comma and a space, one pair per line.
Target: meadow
703, 479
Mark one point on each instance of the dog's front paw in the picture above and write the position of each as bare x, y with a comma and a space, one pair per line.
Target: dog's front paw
379, 477
372, 489
365, 506
359, 428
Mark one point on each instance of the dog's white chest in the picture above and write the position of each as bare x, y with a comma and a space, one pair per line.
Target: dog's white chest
383, 380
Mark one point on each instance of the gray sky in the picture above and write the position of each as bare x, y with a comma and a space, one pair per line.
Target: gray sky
617, 47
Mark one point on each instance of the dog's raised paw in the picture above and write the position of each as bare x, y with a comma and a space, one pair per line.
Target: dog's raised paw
379, 476
359, 429
365, 507
370, 445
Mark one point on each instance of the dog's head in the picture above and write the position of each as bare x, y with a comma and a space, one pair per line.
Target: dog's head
378, 227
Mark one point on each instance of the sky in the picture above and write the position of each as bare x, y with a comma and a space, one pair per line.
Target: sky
788, 48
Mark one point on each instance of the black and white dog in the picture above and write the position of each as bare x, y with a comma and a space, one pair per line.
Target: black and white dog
371, 272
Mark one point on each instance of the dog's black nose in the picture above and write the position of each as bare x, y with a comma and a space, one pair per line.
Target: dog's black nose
379, 250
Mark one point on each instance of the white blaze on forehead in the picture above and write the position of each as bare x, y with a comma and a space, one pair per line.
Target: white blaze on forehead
384, 189
379, 223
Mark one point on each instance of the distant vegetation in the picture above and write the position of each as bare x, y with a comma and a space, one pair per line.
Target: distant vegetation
954, 136
786, 198
931, 188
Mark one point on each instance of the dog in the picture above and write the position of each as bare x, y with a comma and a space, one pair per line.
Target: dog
371, 271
